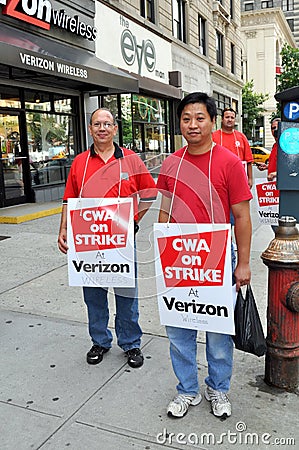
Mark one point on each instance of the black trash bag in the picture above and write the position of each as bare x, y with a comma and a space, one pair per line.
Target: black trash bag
249, 335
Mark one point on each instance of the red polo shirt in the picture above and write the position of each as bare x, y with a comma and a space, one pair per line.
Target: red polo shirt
124, 175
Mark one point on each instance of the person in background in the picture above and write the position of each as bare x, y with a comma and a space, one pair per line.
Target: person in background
107, 170
201, 183
234, 140
272, 164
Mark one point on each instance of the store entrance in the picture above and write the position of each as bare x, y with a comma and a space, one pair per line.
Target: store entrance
12, 161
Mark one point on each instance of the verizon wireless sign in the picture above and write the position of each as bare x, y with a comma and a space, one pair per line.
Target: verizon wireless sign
194, 276
267, 198
42, 14
101, 242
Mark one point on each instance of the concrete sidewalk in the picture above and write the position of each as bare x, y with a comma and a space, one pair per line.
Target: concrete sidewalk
51, 399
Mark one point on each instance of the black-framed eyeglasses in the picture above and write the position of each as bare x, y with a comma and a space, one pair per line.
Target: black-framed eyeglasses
106, 125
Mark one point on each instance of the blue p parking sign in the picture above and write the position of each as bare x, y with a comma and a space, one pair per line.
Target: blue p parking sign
291, 111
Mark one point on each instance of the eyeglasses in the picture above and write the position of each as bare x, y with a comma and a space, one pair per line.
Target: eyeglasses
106, 125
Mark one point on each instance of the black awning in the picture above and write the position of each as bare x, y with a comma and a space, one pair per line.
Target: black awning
68, 66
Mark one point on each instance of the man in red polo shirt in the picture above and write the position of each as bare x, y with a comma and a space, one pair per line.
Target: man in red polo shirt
234, 140
107, 170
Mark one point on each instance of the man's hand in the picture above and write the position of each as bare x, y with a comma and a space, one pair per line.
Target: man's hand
242, 275
271, 176
262, 166
62, 245
62, 235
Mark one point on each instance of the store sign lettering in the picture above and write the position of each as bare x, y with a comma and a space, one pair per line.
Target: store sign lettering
144, 52
41, 14
46, 64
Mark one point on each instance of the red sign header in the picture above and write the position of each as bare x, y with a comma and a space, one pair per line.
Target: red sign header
41, 14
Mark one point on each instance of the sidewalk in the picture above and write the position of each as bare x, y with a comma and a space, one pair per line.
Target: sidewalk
51, 399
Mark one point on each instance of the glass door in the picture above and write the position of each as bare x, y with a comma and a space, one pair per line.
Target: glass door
11, 161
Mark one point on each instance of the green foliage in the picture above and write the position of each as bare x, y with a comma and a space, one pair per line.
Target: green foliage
252, 108
289, 76
290, 68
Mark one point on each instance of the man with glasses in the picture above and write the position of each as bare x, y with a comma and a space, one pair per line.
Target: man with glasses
107, 170
235, 141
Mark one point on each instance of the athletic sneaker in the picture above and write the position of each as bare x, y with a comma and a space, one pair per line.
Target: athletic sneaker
179, 406
135, 357
95, 354
220, 404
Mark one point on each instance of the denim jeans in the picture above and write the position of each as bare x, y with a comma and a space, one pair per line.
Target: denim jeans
127, 329
219, 355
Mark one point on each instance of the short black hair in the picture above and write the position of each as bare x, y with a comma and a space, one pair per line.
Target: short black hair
229, 108
276, 119
101, 109
198, 97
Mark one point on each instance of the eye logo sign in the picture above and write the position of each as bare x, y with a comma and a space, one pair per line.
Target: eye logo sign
193, 259
131, 50
100, 228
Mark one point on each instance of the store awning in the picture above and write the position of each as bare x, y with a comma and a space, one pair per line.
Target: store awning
43, 61
152, 87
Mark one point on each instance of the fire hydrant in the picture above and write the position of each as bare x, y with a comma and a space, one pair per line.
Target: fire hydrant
282, 259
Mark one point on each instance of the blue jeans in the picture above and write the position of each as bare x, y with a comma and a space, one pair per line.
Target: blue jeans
219, 355
127, 329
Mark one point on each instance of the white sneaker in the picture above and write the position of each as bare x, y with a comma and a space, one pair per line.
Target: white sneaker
220, 404
179, 406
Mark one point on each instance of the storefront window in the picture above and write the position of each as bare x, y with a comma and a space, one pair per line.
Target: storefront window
149, 118
11, 156
9, 97
51, 146
143, 123
62, 104
126, 114
38, 101
147, 109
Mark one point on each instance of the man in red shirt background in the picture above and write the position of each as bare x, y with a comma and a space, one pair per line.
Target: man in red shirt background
234, 140
272, 164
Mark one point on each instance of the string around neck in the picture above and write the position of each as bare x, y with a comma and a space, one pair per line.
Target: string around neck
209, 179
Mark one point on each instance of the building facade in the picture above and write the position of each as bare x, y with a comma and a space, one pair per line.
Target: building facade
189, 45
60, 60
290, 9
47, 67
264, 32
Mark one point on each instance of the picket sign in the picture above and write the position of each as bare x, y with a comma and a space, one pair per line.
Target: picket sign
267, 199
194, 276
100, 237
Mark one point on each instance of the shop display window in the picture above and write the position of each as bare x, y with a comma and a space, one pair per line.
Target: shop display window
143, 125
11, 155
9, 97
51, 146
39, 101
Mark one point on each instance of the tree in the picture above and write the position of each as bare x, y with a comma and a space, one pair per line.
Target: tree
252, 108
289, 72
289, 67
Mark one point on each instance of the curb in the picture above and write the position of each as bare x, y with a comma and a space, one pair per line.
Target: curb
31, 216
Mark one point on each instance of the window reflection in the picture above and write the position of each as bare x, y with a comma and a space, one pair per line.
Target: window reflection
38, 101
51, 146
9, 97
